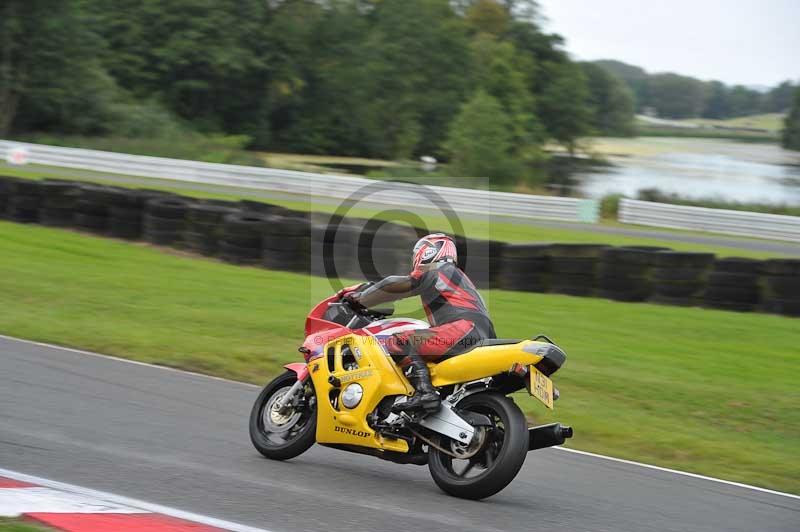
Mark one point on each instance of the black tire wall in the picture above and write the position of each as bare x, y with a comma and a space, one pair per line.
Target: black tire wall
271, 236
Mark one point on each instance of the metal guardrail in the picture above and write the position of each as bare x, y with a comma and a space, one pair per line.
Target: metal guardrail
739, 223
330, 186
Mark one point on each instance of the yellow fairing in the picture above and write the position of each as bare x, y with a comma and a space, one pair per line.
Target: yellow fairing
377, 375
483, 362
370, 367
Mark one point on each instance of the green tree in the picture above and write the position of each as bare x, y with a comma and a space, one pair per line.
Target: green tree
563, 104
207, 60
417, 74
633, 76
779, 99
791, 125
480, 141
718, 103
328, 115
611, 101
48, 69
676, 96
498, 70
488, 16
743, 101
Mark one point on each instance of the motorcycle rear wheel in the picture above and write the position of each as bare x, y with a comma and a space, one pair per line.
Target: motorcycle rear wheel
282, 436
499, 458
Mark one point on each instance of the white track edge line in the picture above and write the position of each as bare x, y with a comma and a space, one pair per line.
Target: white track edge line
566, 449
125, 360
127, 501
678, 472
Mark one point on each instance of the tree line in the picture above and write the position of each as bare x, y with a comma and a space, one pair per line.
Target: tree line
475, 82
790, 137
676, 96
376, 78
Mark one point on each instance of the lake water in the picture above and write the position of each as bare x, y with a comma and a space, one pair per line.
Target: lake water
695, 168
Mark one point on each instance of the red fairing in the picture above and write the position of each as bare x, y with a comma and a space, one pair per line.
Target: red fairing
320, 331
299, 368
312, 347
315, 321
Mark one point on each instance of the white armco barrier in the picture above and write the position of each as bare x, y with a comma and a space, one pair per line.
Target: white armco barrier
333, 186
739, 223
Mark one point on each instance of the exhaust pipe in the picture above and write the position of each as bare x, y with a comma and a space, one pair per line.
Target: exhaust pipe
548, 435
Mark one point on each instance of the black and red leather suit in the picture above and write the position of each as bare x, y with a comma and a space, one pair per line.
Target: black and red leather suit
456, 311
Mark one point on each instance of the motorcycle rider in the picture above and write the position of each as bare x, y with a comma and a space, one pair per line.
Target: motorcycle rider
457, 314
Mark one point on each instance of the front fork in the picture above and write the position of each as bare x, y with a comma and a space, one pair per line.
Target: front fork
287, 401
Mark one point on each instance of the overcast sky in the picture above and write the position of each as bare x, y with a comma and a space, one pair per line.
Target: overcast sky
750, 42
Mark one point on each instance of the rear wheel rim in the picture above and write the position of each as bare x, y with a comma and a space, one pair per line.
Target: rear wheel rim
482, 462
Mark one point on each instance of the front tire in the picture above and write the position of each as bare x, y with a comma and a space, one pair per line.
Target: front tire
497, 461
281, 436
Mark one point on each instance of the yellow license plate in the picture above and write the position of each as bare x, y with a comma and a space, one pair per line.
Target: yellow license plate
541, 387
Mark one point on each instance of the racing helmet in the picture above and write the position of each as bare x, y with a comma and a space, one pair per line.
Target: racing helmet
436, 247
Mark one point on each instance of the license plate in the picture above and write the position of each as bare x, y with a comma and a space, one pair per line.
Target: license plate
540, 386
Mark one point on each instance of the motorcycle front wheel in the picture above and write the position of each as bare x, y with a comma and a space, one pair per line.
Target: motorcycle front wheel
283, 434
492, 461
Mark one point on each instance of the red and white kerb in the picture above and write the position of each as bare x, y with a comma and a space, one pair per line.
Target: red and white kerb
76, 512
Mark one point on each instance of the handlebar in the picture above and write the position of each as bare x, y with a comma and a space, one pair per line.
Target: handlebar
374, 314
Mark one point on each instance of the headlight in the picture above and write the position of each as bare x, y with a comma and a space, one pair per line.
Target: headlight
352, 395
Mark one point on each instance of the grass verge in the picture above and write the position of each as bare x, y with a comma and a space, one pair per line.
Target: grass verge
18, 525
700, 390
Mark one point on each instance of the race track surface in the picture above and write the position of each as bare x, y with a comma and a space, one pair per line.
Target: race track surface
181, 440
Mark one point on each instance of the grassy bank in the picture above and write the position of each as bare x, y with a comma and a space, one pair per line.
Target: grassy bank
226, 149
706, 391
475, 226
18, 525
703, 133
772, 122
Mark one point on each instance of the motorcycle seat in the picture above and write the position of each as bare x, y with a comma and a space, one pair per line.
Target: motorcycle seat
495, 341
486, 342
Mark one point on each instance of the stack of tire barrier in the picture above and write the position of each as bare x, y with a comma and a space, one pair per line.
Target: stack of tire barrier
6, 191
481, 260
781, 286
384, 249
525, 267
249, 232
679, 277
733, 284
287, 243
59, 198
24, 201
334, 248
165, 220
126, 210
573, 268
624, 273
242, 237
204, 226
264, 208
92, 209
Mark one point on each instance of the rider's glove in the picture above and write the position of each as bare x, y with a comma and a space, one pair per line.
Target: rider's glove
354, 298
350, 290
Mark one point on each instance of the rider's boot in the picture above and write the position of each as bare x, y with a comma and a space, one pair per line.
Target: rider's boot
425, 398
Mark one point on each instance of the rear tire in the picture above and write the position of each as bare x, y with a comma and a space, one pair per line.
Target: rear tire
281, 437
500, 457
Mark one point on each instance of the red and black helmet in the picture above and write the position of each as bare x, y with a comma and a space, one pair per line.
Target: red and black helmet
436, 247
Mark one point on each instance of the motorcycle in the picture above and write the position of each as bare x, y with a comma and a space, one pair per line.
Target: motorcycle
342, 397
